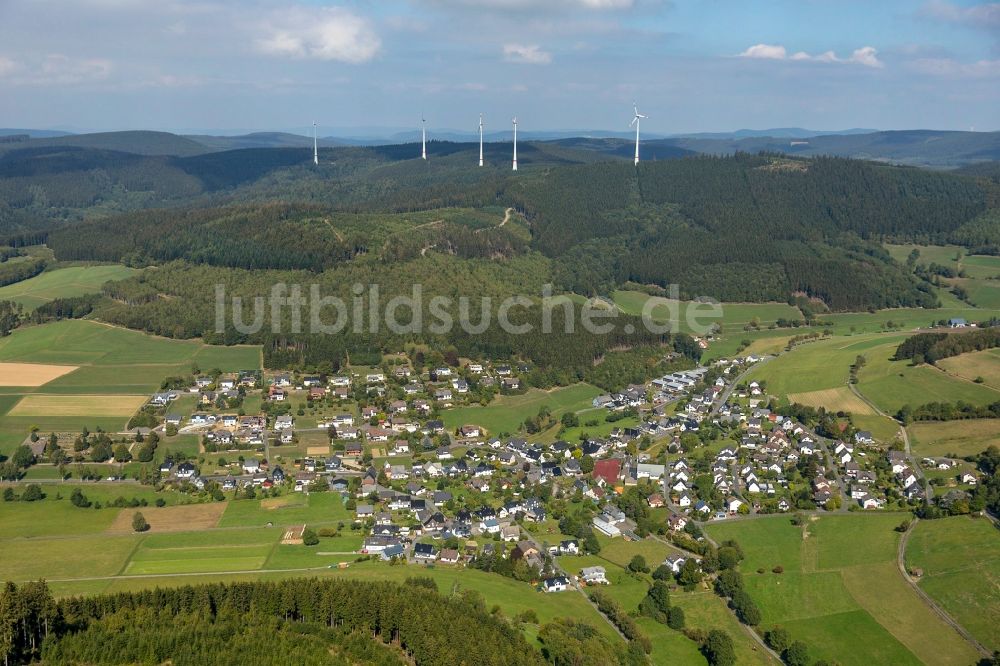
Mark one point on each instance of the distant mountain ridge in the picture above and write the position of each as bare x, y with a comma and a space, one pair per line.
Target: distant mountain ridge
929, 148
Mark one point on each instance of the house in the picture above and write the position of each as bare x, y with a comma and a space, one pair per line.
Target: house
606, 527
569, 547
186, 470
957, 322
449, 556
675, 562
594, 576
251, 466
556, 584
608, 470
424, 552
283, 422
733, 504
864, 437
470, 431
969, 479
510, 533
655, 500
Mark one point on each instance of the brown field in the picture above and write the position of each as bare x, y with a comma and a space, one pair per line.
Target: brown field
31, 374
835, 399
766, 346
317, 450
184, 518
985, 364
78, 405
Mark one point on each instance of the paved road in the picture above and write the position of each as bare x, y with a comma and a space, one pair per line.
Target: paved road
940, 612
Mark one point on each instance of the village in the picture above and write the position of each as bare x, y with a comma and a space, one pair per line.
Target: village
694, 445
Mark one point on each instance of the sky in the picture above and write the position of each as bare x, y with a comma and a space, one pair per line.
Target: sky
690, 65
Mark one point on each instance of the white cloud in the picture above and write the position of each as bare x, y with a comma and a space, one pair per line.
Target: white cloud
330, 33
768, 52
526, 54
866, 55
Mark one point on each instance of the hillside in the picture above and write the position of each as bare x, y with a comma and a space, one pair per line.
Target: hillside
137, 142
915, 147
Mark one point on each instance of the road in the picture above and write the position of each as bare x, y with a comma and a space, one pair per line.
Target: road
940, 612
731, 386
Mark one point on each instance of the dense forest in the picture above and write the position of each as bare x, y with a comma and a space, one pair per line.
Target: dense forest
744, 227
932, 347
302, 621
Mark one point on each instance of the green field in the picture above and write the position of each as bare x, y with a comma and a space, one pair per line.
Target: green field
314, 508
507, 412
960, 558
112, 361
981, 365
840, 591
63, 283
825, 365
961, 438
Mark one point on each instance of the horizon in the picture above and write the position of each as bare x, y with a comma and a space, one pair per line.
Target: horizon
692, 67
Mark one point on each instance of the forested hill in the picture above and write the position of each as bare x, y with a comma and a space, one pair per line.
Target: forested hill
740, 228
302, 621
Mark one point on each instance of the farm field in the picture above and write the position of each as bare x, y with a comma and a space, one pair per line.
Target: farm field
982, 364
63, 283
817, 372
178, 518
39, 405
960, 558
31, 374
507, 412
314, 509
734, 315
892, 384
962, 438
70, 374
822, 365
839, 580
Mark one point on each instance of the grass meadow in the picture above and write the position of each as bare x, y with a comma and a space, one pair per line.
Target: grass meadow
507, 412
63, 283
960, 558
840, 591
961, 438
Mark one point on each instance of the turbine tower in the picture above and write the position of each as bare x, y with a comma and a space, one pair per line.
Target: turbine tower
515, 143
315, 146
480, 139
423, 137
635, 121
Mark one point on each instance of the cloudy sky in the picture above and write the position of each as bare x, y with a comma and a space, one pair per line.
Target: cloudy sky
692, 65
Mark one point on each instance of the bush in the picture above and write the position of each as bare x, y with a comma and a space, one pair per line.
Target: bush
675, 618
797, 654
32, 493
638, 564
778, 639
139, 523
309, 537
778, 569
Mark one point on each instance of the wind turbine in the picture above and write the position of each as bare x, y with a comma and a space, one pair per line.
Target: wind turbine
515, 142
423, 137
635, 121
480, 139
315, 146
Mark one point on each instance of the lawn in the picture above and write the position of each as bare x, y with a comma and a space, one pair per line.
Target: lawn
840, 580
975, 365
507, 412
958, 438
62, 283
297, 509
960, 558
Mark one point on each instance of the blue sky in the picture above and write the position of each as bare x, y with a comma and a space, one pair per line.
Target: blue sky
692, 65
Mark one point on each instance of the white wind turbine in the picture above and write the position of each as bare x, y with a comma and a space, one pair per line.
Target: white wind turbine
315, 146
423, 137
635, 121
480, 139
515, 142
